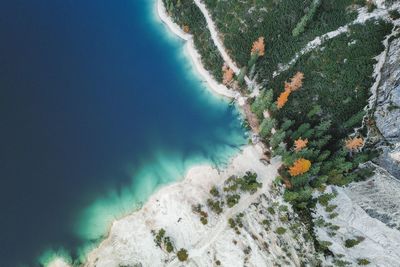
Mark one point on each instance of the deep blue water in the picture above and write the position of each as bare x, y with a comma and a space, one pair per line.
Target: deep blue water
98, 106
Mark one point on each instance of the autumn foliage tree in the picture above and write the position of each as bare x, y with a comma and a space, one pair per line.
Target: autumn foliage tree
186, 28
296, 82
258, 47
354, 144
299, 167
227, 75
299, 144
282, 99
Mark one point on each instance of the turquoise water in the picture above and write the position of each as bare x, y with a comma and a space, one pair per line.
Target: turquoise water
99, 107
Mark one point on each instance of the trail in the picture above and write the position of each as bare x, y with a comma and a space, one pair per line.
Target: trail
218, 42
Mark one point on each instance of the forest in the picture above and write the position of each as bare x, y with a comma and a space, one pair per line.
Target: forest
316, 103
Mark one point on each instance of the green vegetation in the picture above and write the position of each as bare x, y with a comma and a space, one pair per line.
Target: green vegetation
214, 191
338, 79
215, 205
363, 262
236, 223
163, 241
275, 20
182, 254
198, 209
280, 230
349, 243
301, 26
321, 114
325, 244
186, 13
232, 200
247, 183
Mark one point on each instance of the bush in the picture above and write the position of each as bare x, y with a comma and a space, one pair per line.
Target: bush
349, 243
159, 237
232, 200
363, 262
215, 206
271, 210
203, 220
325, 198
214, 191
280, 230
182, 254
324, 244
330, 208
168, 244
333, 215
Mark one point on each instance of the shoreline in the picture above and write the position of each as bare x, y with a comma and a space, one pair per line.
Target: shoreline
191, 52
206, 169
170, 206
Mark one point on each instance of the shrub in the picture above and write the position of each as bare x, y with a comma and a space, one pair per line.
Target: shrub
280, 230
330, 208
232, 223
363, 262
182, 254
215, 206
159, 237
325, 198
271, 210
333, 215
324, 244
203, 220
214, 191
349, 243
168, 244
232, 200
283, 208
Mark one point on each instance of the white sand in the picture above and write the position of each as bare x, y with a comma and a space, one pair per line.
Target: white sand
58, 262
130, 240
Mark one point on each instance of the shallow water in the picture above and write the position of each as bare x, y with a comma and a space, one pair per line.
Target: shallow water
98, 107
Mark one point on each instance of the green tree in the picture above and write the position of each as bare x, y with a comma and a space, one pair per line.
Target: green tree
266, 127
277, 139
286, 124
316, 110
301, 131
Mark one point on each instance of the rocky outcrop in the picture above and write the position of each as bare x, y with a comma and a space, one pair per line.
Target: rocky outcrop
378, 197
387, 112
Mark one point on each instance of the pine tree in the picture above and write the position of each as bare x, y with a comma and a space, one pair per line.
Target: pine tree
266, 127
286, 124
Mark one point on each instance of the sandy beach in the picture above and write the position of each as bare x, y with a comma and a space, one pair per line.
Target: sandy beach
130, 239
